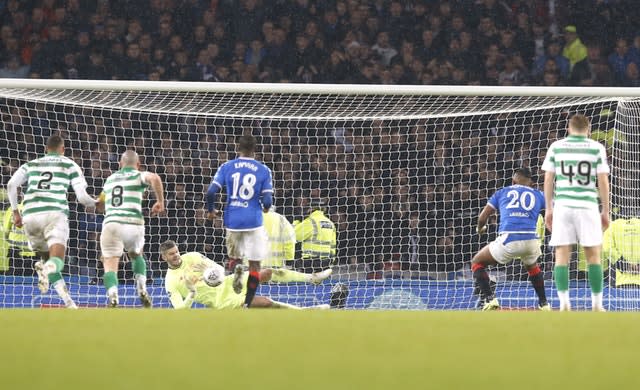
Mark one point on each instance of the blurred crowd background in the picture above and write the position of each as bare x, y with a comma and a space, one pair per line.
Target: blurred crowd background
404, 194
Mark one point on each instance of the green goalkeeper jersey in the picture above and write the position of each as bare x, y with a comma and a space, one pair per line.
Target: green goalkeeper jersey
219, 297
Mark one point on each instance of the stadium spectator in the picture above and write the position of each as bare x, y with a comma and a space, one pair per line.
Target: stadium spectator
619, 60
574, 50
553, 58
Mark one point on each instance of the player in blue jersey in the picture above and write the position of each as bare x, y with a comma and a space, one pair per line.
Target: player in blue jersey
249, 191
518, 206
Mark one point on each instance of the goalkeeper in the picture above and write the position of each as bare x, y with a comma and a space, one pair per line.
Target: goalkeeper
184, 284
282, 242
621, 246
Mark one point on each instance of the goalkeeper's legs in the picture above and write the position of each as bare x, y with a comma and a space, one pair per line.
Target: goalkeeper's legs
595, 276
561, 275
283, 275
110, 279
480, 261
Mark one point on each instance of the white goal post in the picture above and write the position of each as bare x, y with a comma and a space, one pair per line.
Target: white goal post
405, 170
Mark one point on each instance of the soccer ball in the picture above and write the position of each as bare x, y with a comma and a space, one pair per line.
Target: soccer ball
213, 276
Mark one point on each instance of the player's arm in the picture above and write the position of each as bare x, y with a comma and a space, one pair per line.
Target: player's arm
79, 185
486, 212
549, 186
267, 191
176, 299
212, 192
549, 168
18, 178
100, 203
603, 191
155, 183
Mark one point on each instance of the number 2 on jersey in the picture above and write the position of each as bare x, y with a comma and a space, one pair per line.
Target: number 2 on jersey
526, 200
246, 190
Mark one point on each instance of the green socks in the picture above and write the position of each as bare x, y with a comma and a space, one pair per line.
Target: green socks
55, 274
595, 278
139, 266
561, 277
110, 279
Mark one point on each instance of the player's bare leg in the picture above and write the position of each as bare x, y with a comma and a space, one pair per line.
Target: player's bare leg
284, 275
139, 266
110, 280
252, 282
537, 281
595, 273
268, 303
561, 275
50, 274
480, 261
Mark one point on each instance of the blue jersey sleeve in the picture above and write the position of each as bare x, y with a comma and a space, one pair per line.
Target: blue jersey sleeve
267, 189
494, 201
219, 177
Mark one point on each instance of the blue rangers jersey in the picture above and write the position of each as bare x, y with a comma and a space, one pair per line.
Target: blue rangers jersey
519, 207
249, 188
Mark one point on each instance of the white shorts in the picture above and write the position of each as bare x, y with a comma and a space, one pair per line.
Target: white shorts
117, 237
576, 226
252, 245
46, 229
527, 251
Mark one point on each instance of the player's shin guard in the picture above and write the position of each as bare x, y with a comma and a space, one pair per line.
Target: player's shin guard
537, 281
252, 287
482, 279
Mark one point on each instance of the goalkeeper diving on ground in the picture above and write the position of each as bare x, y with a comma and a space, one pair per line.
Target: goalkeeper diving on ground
185, 284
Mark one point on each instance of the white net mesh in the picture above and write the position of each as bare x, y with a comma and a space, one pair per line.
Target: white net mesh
405, 178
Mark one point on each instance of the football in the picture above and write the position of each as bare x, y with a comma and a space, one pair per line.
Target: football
213, 276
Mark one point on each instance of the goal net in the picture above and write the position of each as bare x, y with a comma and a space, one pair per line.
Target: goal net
404, 170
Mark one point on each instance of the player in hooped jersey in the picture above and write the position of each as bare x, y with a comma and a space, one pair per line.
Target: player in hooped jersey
518, 206
576, 180
249, 191
46, 210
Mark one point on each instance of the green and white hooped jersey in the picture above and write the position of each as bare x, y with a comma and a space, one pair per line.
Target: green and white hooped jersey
48, 179
576, 162
123, 191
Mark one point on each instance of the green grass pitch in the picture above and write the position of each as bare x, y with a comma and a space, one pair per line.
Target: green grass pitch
269, 349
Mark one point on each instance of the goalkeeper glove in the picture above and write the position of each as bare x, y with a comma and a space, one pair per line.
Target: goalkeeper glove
481, 230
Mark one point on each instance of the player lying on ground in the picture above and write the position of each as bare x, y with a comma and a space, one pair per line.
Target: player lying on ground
519, 206
184, 283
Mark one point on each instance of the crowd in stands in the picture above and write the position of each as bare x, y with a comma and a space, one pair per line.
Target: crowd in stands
489, 42
403, 194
